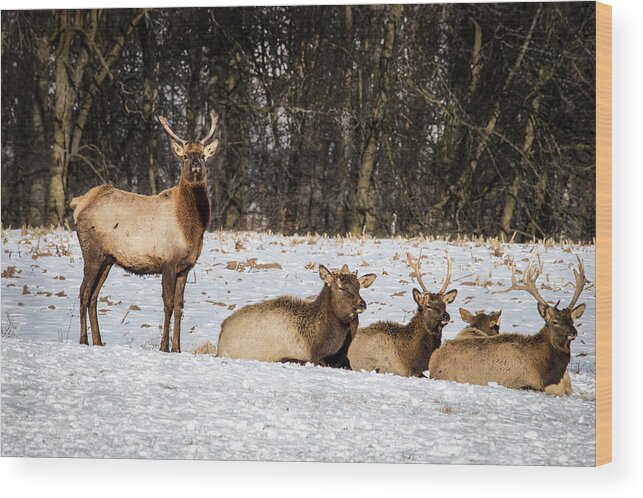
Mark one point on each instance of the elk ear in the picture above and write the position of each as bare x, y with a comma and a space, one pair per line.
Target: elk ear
325, 275
366, 280
211, 149
177, 148
545, 311
345, 269
449, 297
467, 316
418, 297
578, 311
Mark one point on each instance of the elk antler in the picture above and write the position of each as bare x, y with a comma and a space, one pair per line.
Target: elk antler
169, 131
581, 281
447, 279
529, 282
415, 266
213, 126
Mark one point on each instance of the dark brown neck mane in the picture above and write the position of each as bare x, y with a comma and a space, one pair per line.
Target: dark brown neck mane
431, 339
418, 326
194, 199
554, 361
324, 306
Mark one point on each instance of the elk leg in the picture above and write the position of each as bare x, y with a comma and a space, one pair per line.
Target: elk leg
179, 289
294, 361
91, 271
168, 281
103, 272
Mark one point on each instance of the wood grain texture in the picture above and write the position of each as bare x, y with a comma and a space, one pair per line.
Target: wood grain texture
603, 234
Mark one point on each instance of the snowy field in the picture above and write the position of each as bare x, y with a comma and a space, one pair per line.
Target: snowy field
129, 400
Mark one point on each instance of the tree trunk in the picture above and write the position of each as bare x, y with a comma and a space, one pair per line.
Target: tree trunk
490, 126
344, 199
236, 157
514, 190
364, 219
150, 92
69, 75
62, 123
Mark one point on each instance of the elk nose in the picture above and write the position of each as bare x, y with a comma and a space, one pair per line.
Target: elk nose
571, 335
361, 306
446, 318
196, 162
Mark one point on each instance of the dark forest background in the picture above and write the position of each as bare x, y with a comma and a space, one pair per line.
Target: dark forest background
384, 119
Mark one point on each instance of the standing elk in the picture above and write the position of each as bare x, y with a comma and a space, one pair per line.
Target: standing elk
479, 325
517, 361
288, 329
146, 235
390, 347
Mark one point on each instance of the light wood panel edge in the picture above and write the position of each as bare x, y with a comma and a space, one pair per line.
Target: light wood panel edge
603, 233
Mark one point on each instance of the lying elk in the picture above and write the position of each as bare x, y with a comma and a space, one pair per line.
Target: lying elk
146, 235
389, 347
291, 329
517, 361
479, 325
483, 325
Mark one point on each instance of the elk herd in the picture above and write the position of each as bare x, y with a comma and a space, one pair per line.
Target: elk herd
163, 234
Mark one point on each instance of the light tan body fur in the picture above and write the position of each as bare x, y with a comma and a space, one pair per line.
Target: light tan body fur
124, 223
282, 329
563, 388
480, 324
389, 347
157, 234
470, 333
512, 360
517, 361
292, 329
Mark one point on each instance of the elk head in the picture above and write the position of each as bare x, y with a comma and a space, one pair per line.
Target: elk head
344, 290
193, 155
487, 323
432, 307
559, 323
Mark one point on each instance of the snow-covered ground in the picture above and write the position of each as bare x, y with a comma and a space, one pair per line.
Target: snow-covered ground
129, 400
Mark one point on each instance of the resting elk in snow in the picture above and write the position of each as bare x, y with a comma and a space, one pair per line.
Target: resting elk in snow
518, 361
479, 325
288, 329
488, 325
146, 235
389, 347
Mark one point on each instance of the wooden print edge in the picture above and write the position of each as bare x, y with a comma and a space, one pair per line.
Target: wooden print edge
603, 233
